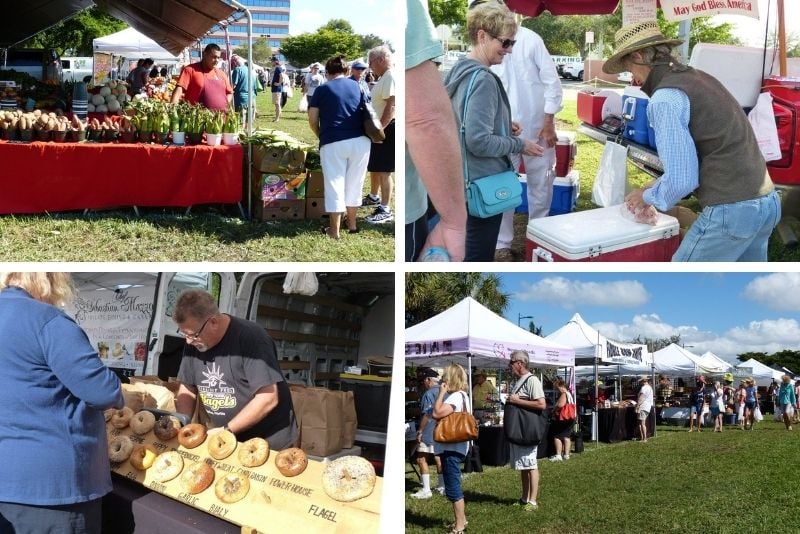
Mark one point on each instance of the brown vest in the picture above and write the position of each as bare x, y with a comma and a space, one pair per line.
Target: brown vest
732, 168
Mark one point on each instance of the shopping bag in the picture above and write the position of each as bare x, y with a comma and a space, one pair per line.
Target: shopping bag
762, 119
612, 176
302, 106
757, 414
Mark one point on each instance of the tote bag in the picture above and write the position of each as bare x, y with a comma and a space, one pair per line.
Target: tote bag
456, 427
612, 176
523, 427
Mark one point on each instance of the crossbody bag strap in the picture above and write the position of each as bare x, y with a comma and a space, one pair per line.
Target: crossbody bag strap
464, 125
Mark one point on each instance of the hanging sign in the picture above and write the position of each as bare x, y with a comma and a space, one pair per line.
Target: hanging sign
688, 9
634, 11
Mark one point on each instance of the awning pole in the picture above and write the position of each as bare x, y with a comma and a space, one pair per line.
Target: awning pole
251, 108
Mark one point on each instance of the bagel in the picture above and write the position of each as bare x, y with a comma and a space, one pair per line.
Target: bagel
232, 487
142, 457
143, 422
166, 428
197, 477
119, 449
291, 462
167, 466
254, 452
108, 413
121, 418
348, 478
192, 435
221, 445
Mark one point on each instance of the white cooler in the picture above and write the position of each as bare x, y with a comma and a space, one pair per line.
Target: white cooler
601, 234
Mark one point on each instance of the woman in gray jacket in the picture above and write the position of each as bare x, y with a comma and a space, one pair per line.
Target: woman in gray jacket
490, 134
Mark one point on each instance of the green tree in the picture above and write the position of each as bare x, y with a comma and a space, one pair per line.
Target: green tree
448, 12
654, 344
75, 35
784, 358
262, 51
301, 50
428, 294
368, 42
533, 329
338, 25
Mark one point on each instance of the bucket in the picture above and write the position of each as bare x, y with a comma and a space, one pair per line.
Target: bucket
178, 138
230, 138
213, 139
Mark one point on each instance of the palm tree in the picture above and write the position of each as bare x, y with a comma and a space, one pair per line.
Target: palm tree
428, 294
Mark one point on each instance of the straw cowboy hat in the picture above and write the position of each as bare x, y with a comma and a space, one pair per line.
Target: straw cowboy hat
632, 38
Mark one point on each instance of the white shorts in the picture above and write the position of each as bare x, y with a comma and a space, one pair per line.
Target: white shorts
344, 166
276, 98
424, 448
523, 458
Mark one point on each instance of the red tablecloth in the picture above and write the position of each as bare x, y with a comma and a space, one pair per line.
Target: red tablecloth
39, 177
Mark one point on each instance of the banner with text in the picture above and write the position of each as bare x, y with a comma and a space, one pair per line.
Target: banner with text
688, 9
116, 323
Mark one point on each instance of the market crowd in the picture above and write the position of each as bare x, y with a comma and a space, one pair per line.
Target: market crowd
494, 115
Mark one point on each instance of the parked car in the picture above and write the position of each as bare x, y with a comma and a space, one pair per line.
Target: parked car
75, 69
573, 71
561, 61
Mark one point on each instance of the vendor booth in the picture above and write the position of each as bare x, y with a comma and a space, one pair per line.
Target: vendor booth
472, 335
606, 414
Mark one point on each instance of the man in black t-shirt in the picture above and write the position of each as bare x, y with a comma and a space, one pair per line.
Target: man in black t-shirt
232, 365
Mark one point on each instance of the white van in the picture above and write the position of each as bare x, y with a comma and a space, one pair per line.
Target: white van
75, 69
348, 322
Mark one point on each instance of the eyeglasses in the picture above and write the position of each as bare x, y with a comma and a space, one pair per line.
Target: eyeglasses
196, 335
505, 43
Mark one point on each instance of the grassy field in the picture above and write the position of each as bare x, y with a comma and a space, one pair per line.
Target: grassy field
207, 233
587, 162
734, 481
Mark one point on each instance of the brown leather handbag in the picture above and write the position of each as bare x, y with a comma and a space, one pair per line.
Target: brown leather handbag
456, 427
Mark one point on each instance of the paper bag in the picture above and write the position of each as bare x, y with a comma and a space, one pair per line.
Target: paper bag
762, 119
322, 422
612, 176
350, 421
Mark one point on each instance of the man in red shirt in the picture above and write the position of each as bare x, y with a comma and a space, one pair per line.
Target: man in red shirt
204, 83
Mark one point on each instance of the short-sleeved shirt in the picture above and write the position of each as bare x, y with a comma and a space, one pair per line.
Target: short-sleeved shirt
208, 87
338, 102
422, 44
426, 407
277, 79
313, 81
530, 389
647, 401
228, 375
381, 92
459, 401
479, 394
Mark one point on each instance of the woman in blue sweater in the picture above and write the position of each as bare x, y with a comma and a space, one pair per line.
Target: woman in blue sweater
52, 431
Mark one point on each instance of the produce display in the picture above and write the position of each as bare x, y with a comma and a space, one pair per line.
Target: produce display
109, 98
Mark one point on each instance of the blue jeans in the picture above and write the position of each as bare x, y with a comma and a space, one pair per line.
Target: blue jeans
482, 237
732, 232
451, 469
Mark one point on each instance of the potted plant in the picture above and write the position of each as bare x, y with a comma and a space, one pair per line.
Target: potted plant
177, 123
194, 124
230, 128
127, 133
214, 122
161, 122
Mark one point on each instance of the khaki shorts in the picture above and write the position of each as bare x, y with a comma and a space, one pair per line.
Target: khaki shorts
276, 98
424, 448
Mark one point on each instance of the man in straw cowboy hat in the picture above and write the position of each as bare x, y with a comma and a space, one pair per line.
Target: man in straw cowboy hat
707, 147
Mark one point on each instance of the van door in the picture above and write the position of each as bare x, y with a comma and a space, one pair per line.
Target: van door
165, 345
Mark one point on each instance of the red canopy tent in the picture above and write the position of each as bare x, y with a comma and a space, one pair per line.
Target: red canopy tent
534, 8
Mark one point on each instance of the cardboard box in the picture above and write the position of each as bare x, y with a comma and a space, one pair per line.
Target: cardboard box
315, 208
282, 187
315, 186
279, 159
281, 209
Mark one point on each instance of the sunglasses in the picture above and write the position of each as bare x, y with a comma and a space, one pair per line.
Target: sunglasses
505, 43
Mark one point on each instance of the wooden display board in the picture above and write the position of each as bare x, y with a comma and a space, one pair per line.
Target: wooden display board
273, 503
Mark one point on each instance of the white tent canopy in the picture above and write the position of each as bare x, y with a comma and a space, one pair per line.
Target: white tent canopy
762, 374
676, 360
131, 44
469, 328
710, 360
589, 343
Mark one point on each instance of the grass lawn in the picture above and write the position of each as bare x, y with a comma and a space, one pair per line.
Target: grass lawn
734, 481
587, 162
208, 233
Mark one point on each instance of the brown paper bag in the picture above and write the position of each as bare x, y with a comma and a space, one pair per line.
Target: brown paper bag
322, 422
350, 421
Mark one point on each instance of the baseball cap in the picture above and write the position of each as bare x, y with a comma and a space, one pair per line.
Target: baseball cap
359, 65
426, 372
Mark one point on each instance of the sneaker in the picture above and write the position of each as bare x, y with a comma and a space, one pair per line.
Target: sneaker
439, 490
380, 215
370, 201
503, 254
422, 494
531, 507
566, 457
556, 458
520, 502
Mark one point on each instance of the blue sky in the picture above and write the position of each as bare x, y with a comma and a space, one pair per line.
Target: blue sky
726, 313
378, 17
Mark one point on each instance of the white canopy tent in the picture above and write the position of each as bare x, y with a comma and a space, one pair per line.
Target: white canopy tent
589, 344
131, 44
710, 360
676, 360
762, 374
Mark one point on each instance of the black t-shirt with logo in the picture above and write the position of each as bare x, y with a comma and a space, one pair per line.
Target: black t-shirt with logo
228, 375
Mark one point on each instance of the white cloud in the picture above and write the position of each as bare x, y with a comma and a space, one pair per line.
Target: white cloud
771, 291
306, 20
757, 336
571, 294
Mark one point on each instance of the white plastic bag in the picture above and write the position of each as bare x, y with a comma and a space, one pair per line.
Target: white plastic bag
302, 106
302, 283
612, 176
757, 414
762, 119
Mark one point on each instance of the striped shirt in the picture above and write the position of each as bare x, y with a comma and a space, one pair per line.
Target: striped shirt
668, 112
